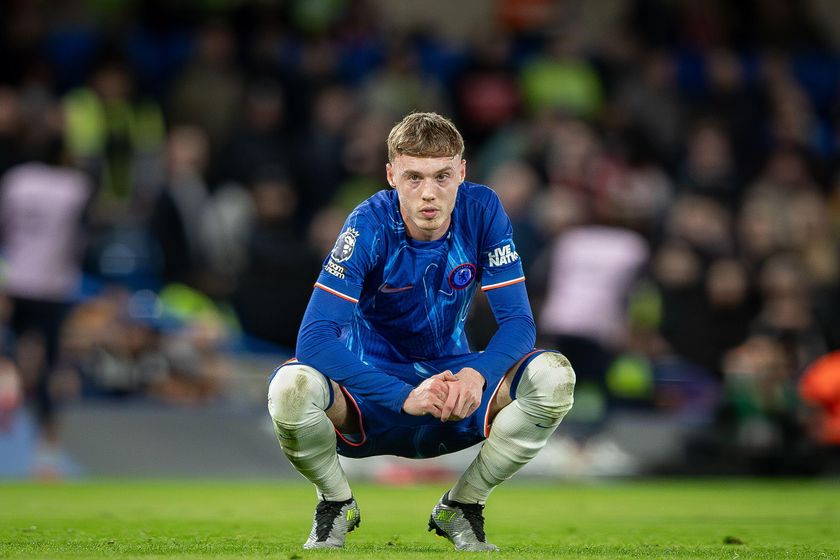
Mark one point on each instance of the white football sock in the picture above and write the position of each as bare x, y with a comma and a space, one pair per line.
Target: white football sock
521, 429
297, 398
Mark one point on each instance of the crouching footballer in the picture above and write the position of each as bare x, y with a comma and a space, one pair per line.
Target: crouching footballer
382, 362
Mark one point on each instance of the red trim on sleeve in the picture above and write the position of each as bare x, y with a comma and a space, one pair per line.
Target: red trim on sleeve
503, 284
337, 293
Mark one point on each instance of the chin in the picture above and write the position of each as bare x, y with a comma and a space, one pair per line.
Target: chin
430, 227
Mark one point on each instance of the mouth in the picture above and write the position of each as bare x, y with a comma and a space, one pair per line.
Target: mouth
429, 212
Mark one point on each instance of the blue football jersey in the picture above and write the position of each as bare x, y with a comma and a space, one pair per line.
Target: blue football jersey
413, 297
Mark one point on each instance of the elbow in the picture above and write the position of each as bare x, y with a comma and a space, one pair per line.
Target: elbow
303, 352
524, 328
530, 328
306, 347
312, 339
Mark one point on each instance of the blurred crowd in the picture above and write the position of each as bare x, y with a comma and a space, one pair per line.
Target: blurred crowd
173, 174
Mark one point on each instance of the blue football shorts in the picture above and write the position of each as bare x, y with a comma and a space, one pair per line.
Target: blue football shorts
385, 432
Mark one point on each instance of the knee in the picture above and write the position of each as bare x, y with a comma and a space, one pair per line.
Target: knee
295, 392
548, 385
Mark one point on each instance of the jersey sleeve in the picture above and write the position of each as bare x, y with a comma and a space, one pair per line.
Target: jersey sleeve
500, 263
502, 279
319, 346
354, 254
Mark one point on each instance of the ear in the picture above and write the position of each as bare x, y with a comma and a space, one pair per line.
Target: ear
389, 174
463, 170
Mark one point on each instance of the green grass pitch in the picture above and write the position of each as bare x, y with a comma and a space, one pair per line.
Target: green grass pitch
651, 519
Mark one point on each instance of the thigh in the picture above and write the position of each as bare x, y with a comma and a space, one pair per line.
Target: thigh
343, 416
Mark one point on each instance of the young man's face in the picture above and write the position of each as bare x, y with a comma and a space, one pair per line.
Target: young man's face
427, 188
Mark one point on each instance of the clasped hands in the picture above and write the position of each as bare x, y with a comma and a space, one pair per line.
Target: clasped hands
447, 396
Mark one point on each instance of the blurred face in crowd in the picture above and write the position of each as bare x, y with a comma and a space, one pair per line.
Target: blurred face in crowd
187, 150
516, 183
726, 284
427, 188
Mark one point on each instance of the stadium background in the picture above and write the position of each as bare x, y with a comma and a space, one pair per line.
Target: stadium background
670, 168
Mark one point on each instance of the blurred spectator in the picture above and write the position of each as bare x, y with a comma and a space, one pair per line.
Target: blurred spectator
577, 159
739, 107
785, 315
274, 286
21, 39
792, 121
517, 185
525, 16
200, 233
698, 277
176, 221
820, 387
11, 127
486, 92
647, 99
730, 305
704, 224
42, 207
561, 79
324, 229
761, 427
399, 87
115, 354
320, 168
363, 157
646, 195
125, 344
592, 269
709, 168
158, 43
117, 138
11, 393
261, 140
678, 273
208, 92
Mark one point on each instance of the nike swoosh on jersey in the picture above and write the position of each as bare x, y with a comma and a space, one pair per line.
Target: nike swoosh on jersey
386, 289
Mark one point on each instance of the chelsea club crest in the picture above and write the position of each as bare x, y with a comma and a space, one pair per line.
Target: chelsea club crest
461, 276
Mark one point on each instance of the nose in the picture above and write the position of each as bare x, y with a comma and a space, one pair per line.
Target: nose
427, 191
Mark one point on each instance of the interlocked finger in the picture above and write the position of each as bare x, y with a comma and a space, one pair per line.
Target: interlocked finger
451, 401
465, 408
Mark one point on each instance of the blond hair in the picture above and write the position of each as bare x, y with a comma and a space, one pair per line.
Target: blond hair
425, 135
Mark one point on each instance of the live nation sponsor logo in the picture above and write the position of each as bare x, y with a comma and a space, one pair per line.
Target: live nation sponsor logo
335, 269
502, 256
